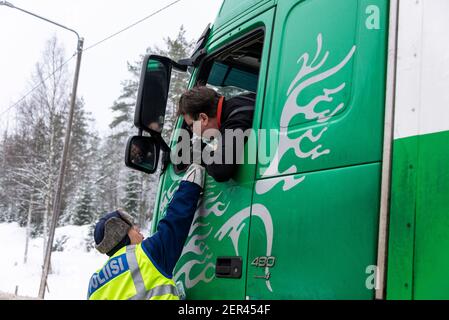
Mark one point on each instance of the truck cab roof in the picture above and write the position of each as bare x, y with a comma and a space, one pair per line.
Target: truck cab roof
233, 10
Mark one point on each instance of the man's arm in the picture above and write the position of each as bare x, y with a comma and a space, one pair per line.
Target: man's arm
164, 248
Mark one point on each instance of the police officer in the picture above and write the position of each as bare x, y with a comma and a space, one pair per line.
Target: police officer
138, 268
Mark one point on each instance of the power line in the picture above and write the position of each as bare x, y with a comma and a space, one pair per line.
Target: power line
36, 86
90, 47
133, 25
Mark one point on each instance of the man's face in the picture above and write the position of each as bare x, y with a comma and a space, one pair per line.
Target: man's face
136, 154
135, 235
204, 122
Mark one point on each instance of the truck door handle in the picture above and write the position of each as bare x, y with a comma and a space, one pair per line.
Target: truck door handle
229, 267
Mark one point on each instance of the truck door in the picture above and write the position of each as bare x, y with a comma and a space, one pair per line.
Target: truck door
315, 207
213, 263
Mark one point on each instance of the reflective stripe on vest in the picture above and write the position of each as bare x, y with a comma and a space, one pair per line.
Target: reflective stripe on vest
135, 272
140, 274
156, 292
142, 293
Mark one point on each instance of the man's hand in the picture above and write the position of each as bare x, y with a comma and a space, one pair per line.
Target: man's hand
195, 174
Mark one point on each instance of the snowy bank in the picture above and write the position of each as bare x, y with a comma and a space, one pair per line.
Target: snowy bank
71, 268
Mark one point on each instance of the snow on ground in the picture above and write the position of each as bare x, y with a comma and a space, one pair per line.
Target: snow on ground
72, 268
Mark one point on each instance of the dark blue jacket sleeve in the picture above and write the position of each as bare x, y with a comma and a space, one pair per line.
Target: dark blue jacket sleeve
164, 248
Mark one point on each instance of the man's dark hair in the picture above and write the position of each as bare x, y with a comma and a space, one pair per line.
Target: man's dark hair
198, 100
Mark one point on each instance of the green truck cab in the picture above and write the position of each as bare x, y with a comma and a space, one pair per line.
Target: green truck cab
334, 203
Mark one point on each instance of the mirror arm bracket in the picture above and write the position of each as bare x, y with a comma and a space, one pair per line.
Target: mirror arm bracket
165, 161
166, 152
198, 53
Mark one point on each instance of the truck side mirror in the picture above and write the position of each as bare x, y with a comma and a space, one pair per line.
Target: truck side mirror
153, 93
142, 154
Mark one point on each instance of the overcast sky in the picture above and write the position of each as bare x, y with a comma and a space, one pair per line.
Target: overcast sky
23, 37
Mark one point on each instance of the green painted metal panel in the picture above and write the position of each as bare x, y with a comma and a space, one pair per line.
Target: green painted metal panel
328, 101
324, 236
402, 220
419, 241
324, 175
237, 11
431, 264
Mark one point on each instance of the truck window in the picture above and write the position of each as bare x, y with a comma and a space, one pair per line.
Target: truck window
235, 70
231, 80
232, 71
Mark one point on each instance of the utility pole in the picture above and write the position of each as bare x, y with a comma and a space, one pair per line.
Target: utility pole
60, 183
62, 168
28, 233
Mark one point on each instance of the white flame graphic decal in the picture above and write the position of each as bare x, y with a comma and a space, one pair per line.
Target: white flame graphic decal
292, 109
232, 227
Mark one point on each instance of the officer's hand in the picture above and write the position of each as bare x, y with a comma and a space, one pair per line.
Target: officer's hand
196, 174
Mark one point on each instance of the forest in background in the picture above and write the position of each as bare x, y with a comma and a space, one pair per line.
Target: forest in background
97, 180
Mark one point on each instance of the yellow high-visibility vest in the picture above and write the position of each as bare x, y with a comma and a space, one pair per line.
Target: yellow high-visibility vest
131, 275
